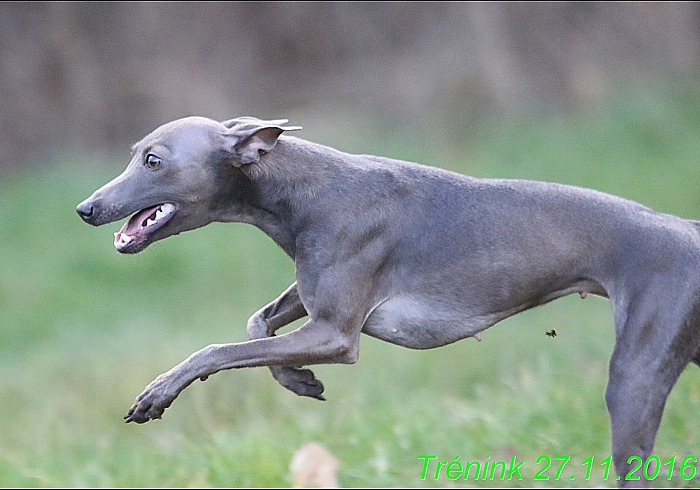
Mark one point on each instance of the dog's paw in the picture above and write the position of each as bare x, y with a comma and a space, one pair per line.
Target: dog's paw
149, 405
300, 381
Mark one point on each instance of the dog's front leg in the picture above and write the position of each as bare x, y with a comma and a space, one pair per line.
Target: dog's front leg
283, 311
315, 342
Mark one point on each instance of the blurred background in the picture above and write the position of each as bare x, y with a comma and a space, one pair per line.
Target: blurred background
77, 77
601, 95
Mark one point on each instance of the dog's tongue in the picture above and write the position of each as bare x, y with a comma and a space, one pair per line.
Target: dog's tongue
135, 223
142, 223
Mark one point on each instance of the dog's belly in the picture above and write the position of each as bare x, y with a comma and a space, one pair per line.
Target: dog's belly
423, 323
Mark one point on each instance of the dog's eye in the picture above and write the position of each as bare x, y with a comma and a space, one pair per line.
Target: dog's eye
152, 161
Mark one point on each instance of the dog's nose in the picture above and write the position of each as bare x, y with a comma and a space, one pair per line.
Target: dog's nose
84, 209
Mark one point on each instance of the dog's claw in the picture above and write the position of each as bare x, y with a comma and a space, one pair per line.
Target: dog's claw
150, 404
142, 414
299, 381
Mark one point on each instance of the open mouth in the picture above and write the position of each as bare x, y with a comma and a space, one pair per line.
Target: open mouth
143, 223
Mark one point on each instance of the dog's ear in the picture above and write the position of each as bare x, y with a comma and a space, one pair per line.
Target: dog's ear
250, 137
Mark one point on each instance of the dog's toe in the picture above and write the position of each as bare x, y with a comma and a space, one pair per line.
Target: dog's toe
148, 406
300, 381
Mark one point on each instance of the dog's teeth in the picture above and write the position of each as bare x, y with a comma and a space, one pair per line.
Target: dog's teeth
159, 214
121, 239
149, 222
167, 208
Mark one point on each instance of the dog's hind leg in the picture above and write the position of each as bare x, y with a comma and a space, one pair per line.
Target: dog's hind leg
265, 322
651, 350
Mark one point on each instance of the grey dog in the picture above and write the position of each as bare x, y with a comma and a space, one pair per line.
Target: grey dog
416, 256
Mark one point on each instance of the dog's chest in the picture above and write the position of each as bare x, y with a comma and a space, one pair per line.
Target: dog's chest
421, 322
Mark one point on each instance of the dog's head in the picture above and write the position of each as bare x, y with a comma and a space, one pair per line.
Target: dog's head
174, 180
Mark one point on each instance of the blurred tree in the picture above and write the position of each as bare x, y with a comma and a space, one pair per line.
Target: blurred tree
78, 77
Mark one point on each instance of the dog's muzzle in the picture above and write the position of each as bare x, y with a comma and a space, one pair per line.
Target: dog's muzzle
86, 211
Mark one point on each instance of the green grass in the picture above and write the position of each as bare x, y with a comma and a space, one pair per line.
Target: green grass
84, 329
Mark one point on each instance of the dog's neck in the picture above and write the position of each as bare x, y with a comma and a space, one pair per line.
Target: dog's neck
282, 187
